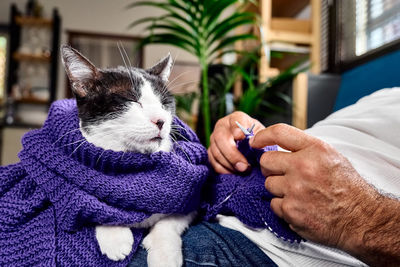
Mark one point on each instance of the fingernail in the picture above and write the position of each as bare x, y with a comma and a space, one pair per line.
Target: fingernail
240, 166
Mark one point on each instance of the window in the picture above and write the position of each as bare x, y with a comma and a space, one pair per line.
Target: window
377, 23
366, 27
3, 57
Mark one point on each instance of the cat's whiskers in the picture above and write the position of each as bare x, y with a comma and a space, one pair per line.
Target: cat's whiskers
101, 134
129, 61
126, 150
84, 141
169, 86
74, 142
177, 77
172, 88
126, 55
176, 142
165, 88
175, 132
123, 154
126, 66
174, 61
172, 68
99, 157
176, 126
69, 133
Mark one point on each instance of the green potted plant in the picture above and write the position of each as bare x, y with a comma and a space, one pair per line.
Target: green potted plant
198, 27
259, 99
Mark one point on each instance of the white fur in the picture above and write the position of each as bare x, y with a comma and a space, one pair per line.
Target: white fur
114, 241
164, 243
132, 132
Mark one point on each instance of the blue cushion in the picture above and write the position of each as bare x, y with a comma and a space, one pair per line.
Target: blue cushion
363, 80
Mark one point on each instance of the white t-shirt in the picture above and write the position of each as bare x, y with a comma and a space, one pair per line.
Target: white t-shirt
368, 134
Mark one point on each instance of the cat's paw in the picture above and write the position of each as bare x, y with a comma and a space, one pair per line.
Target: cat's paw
115, 241
163, 250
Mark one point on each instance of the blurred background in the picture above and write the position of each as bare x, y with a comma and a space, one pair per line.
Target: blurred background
277, 60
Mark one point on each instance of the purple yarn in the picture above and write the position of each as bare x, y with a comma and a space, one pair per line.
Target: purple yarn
245, 196
51, 201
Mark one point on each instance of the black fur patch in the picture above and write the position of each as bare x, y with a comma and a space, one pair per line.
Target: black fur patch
109, 96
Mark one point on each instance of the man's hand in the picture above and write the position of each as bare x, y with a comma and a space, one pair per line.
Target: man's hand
324, 199
222, 153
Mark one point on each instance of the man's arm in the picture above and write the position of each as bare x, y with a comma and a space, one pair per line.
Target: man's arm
378, 241
325, 200
318, 192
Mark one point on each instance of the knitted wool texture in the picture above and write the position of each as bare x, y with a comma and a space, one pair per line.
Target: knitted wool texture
51, 201
245, 196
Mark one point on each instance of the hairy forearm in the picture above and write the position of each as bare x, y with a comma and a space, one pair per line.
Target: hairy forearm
377, 239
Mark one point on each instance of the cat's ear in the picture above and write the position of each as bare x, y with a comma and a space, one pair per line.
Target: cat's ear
162, 68
80, 71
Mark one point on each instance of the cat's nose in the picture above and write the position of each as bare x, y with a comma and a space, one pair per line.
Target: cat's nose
159, 123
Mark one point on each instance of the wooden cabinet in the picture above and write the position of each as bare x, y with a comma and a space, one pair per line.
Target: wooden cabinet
32, 66
281, 32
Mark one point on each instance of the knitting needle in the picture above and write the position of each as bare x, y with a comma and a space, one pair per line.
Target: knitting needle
251, 128
244, 130
247, 132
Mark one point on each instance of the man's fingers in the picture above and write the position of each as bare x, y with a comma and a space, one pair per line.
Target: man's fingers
217, 167
276, 206
274, 163
245, 120
228, 149
216, 153
276, 185
284, 135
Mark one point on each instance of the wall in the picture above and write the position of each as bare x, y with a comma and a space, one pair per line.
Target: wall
11, 145
101, 16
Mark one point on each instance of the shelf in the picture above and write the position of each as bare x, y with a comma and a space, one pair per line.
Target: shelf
33, 21
32, 100
289, 30
289, 48
30, 57
292, 25
289, 36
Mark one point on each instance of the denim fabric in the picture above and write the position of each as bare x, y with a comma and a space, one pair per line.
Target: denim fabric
210, 244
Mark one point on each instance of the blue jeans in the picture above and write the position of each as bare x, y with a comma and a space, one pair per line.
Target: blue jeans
210, 244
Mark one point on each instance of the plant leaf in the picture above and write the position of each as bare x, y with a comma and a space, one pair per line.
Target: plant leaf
169, 9
230, 40
179, 31
229, 24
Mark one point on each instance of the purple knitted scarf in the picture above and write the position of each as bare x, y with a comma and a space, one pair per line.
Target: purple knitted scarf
51, 201
245, 196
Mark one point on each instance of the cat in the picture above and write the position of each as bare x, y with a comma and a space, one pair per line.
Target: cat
129, 109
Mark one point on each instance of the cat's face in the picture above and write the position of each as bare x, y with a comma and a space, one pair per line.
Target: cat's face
122, 109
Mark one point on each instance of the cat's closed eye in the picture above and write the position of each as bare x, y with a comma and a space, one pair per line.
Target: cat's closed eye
126, 99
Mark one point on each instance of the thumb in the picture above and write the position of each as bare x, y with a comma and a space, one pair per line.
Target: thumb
283, 135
